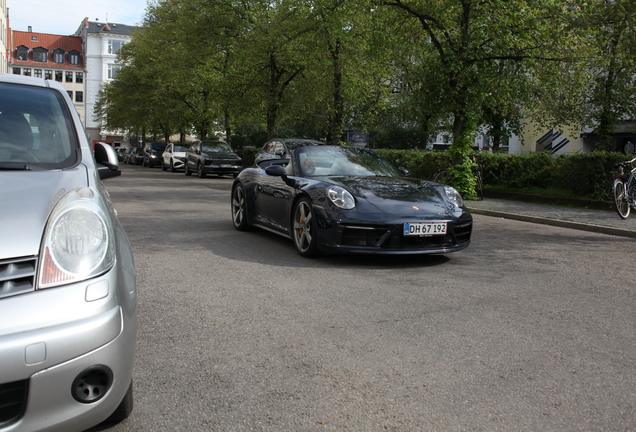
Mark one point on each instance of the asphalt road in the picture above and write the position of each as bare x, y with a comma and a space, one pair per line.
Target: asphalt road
532, 328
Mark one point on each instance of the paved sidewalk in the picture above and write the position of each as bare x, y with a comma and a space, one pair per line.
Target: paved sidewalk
606, 222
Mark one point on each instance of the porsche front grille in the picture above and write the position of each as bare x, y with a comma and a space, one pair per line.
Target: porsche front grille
17, 276
363, 236
383, 237
462, 232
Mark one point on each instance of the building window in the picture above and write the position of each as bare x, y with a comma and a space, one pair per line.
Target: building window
48, 74
58, 76
79, 96
69, 76
26, 71
58, 56
73, 57
114, 46
22, 53
40, 55
37, 73
79, 77
113, 70
17, 71
70, 94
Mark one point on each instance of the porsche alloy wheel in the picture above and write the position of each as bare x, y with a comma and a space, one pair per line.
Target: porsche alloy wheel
200, 172
187, 170
304, 229
239, 208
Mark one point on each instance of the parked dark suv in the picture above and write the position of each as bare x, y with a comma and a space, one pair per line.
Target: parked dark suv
212, 157
153, 153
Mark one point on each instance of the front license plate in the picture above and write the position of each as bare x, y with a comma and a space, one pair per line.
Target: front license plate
435, 228
226, 166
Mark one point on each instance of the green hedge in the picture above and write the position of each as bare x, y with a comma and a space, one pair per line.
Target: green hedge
248, 155
583, 175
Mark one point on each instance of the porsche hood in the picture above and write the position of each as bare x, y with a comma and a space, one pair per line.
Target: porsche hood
397, 195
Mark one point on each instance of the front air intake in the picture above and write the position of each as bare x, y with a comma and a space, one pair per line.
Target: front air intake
92, 384
13, 401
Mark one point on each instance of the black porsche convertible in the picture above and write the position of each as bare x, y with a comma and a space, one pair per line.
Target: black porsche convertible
348, 200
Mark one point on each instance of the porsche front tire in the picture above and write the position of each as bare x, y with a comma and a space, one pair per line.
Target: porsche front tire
304, 229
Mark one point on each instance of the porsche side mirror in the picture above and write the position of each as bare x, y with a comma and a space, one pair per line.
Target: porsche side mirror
276, 170
404, 171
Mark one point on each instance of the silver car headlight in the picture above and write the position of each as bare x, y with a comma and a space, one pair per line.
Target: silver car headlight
78, 240
453, 196
341, 197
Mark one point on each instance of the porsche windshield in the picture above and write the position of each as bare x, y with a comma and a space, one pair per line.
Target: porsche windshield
343, 161
36, 130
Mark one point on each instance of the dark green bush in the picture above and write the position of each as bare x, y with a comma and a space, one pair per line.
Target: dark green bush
398, 137
248, 155
584, 175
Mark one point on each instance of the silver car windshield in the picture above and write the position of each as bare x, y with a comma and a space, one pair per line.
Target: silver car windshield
36, 130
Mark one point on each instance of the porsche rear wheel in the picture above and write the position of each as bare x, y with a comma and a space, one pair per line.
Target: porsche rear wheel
200, 172
304, 229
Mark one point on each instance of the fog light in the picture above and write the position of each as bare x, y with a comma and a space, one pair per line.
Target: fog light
92, 384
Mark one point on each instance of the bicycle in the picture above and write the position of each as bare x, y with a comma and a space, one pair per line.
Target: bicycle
442, 176
624, 190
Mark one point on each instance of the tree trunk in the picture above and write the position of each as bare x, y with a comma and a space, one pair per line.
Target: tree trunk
227, 125
338, 115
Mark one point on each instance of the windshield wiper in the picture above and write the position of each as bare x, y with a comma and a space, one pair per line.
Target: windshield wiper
14, 166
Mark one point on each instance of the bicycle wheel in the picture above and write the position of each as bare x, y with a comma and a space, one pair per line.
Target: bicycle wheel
620, 199
441, 177
630, 187
479, 186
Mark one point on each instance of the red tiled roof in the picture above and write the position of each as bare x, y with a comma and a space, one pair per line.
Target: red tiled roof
50, 42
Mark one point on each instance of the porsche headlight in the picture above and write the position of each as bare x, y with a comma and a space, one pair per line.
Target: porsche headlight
78, 240
341, 197
453, 196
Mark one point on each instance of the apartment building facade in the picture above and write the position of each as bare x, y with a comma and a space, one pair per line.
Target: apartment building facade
4, 47
101, 42
53, 57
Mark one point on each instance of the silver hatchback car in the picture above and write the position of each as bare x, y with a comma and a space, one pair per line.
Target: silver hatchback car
68, 301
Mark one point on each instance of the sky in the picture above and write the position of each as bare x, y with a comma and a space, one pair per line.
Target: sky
63, 17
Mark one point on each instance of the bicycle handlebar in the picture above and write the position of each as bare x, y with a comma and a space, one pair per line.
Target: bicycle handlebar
622, 164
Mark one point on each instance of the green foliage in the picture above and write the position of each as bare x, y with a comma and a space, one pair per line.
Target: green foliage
421, 164
248, 155
583, 175
401, 70
398, 137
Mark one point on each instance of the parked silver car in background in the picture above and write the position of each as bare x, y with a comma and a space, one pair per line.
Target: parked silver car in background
68, 304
